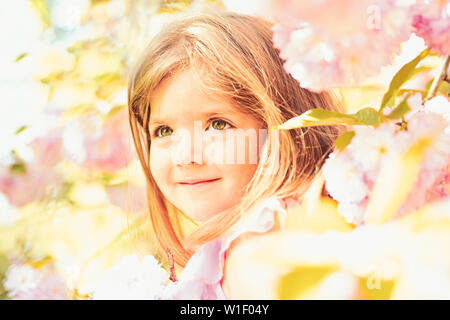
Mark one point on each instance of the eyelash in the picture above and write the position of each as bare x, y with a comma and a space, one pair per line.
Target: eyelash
155, 132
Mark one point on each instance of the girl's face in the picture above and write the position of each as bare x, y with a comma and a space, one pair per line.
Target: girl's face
203, 150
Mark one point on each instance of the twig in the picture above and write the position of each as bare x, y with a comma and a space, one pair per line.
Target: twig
442, 76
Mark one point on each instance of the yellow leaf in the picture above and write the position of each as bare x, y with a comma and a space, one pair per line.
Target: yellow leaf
316, 213
397, 177
324, 217
381, 290
69, 94
371, 262
41, 8
302, 282
93, 64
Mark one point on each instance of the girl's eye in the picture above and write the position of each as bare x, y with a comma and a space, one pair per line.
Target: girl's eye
216, 124
163, 132
219, 124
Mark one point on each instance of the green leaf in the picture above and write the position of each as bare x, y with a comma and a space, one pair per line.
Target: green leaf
399, 111
319, 117
368, 116
403, 75
421, 69
21, 56
18, 168
344, 140
444, 88
22, 128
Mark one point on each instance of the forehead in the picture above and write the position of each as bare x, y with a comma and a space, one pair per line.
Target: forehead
183, 94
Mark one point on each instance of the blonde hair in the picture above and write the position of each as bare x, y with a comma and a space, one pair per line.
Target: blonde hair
242, 64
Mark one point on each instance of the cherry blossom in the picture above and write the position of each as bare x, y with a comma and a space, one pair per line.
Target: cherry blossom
328, 44
431, 21
31, 180
98, 144
132, 278
23, 282
351, 174
322, 54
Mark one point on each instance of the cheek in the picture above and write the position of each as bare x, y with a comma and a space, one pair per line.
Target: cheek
159, 166
237, 160
241, 172
231, 149
236, 179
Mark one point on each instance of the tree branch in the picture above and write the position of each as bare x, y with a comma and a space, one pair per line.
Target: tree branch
442, 76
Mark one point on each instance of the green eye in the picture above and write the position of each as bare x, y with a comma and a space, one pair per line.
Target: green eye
219, 124
163, 132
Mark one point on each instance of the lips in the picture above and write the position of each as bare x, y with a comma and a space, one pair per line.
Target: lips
198, 182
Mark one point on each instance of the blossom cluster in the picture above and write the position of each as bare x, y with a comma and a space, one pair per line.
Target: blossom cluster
30, 173
132, 278
328, 44
351, 174
25, 282
431, 21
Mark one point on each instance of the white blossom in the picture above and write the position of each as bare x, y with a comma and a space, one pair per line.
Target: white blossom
21, 278
132, 279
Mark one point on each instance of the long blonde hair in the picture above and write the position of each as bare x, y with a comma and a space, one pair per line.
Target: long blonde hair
242, 64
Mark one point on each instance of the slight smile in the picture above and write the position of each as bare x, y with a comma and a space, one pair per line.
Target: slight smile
198, 183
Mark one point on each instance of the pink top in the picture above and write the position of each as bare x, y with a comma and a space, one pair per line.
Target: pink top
202, 275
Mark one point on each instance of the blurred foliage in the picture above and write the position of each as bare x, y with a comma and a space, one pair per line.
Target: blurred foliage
404, 259
73, 193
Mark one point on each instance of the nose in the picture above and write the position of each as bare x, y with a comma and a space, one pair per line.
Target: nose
186, 148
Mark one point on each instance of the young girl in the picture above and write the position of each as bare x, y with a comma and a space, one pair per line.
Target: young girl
204, 79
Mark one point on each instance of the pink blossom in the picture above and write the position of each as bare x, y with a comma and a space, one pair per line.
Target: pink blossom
328, 44
431, 21
36, 177
351, 174
369, 145
30, 186
130, 198
322, 54
433, 178
47, 149
112, 149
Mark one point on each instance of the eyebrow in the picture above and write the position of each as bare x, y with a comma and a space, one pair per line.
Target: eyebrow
156, 121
